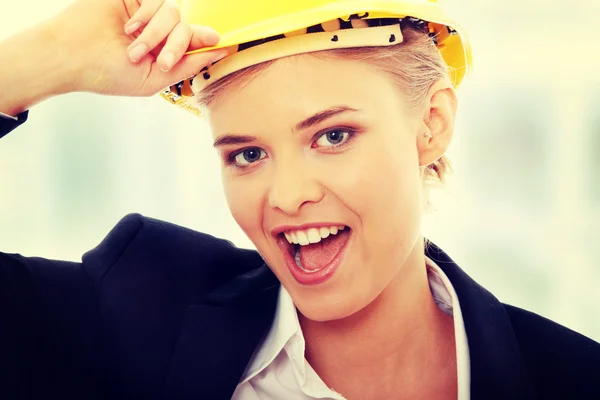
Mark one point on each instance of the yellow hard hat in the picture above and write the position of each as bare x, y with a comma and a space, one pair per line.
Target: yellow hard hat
263, 30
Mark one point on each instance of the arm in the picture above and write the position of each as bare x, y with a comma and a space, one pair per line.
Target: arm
50, 323
48, 311
94, 46
49, 328
31, 70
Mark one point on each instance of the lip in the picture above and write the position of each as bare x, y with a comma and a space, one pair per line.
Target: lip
313, 278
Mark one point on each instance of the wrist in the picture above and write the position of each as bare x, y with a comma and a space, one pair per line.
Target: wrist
61, 69
34, 69
80, 37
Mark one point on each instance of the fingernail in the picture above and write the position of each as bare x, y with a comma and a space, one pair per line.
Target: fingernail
137, 52
130, 28
166, 60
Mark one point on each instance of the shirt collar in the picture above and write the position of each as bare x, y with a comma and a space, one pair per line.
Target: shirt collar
286, 326
446, 299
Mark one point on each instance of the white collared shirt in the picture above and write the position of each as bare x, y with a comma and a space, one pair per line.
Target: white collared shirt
278, 369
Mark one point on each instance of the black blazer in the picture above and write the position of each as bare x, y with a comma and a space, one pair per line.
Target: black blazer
158, 311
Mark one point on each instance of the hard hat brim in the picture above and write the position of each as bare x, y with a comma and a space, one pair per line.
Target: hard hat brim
292, 16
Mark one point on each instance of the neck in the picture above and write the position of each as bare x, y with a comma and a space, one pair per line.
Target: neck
401, 343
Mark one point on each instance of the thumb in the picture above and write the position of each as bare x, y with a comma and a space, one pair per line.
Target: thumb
189, 65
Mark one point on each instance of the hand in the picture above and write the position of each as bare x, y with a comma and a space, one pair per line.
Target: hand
129, 47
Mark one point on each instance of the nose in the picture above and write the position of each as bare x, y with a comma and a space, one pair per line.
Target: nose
292, 186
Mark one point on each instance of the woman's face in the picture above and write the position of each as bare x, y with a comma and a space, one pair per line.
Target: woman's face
318, 143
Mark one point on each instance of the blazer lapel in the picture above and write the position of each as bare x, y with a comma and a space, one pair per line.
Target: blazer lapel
497, 367
218, 337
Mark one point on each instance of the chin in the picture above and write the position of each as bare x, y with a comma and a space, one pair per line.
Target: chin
330, 308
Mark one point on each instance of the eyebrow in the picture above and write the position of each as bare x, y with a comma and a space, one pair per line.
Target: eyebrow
230, 138
322, 116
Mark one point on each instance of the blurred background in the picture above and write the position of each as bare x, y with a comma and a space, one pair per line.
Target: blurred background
519, 215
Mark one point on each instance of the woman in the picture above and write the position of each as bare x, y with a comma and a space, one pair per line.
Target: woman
329, 119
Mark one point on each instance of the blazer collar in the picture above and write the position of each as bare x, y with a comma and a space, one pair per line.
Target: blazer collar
219, 336
498, 370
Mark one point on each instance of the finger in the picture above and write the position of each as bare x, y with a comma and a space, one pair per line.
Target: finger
203, 36
161, 24
189, 65
176, 45
141, 14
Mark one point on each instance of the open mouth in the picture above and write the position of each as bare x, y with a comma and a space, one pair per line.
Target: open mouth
313, 255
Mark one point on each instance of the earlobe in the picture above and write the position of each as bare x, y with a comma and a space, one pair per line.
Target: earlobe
437, 128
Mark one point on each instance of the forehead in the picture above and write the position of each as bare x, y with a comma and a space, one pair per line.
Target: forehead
295, 87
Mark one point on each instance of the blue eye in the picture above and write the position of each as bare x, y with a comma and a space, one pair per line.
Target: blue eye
333, 138
248, 156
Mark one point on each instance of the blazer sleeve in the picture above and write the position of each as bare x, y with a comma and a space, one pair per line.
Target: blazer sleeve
49, 329
8, 123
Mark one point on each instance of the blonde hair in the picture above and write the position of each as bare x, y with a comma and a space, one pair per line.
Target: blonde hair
414, 64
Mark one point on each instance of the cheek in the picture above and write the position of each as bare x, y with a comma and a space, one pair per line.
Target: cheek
383, 187
244, 201
382, 178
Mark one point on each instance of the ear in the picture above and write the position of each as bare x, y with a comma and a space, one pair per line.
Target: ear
437, 126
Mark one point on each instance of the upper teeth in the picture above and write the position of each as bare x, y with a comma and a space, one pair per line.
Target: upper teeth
311, 235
